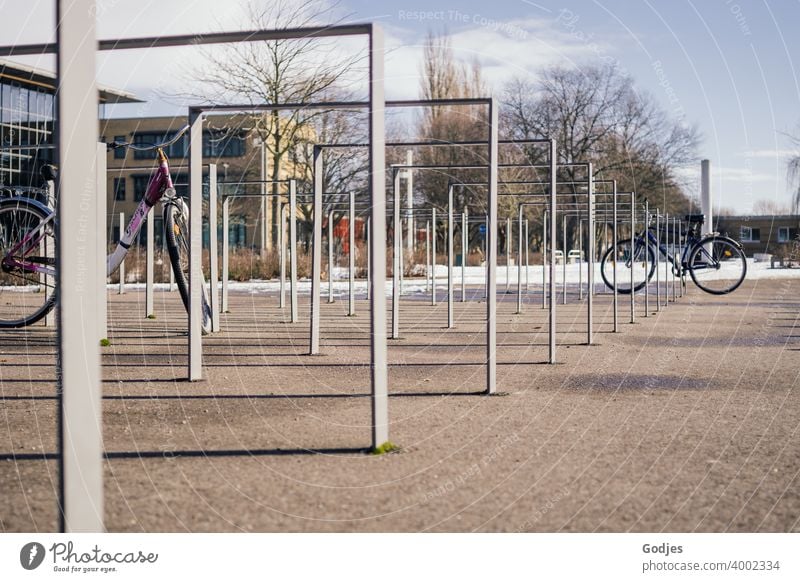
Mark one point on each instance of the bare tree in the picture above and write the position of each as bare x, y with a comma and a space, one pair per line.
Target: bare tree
443, 77
769, 207
597, 116
279, 71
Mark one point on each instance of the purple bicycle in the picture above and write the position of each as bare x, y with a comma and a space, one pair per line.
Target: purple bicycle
28, 275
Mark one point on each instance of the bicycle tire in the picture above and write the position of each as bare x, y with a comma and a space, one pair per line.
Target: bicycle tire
176, 231
18, 216
608, 278
736, 259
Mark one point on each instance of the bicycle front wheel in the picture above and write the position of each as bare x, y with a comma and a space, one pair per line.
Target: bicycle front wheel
176, 231
717, 265
27, 263
633, 271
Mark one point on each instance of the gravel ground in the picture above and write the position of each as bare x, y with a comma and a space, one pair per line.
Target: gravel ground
686, 420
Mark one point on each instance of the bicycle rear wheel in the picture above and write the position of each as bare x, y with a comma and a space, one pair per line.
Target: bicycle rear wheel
629, 262
25, 295
176, 230
717, 265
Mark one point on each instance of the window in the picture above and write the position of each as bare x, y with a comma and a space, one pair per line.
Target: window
140, 187
786, 234
176, 150
141, 181
749, 234
237, 231
119, 153
119, 188
222, 144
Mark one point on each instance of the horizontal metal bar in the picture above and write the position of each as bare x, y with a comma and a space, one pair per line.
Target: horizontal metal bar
200, 39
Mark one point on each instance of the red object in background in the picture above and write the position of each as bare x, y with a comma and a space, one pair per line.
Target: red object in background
341, 231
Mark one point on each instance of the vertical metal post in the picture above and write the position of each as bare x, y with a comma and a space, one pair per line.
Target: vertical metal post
330, 255
401, 256
553, 234
527, 259
450, 256
428, 256
706, 199
149, 310
102, 242
410, 202
632, 258
122, 264
615, 298
195, 247
564, 257
351, 256
486, 254
213, 251
264, 229
368, 235
293, 250
464, 253
658, 260
590, 260
674, 255
225, 251
680, 258
544, 259
282, 255
646, 250
666, 262
508, 253
396, 250
491, 233
50, 253
580, 258
433, 256
316, 250
519, 259
377, 141
172, 285
80, 405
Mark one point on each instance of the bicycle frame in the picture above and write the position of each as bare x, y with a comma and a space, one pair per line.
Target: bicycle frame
28, 243
160, 185
691, 242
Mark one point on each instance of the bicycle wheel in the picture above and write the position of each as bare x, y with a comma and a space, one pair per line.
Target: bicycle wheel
26, 243
176, 230
717, 264
628, 263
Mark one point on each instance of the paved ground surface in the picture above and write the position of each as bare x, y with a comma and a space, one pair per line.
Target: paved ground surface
685, 421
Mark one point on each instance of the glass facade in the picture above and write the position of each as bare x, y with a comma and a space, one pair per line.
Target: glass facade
26, 133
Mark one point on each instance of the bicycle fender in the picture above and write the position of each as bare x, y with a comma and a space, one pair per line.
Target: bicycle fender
45, 210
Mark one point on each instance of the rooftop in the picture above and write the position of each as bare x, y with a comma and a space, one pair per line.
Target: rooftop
34, 77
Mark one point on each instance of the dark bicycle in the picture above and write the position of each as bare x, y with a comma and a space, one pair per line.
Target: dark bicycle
716, 263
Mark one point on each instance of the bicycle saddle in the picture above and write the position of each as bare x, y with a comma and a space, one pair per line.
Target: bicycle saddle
49, 173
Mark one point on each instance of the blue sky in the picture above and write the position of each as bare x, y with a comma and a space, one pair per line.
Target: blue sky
727, 66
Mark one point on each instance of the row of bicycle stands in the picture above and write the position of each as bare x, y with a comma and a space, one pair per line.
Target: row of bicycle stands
79, 388
608, 215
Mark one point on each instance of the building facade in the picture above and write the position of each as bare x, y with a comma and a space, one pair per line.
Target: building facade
776, 234
228, 142
27, 118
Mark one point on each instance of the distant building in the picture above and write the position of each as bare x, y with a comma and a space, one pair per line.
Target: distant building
27, 114
228, 142
762, 234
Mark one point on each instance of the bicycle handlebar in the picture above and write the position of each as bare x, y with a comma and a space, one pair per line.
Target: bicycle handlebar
121, 144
